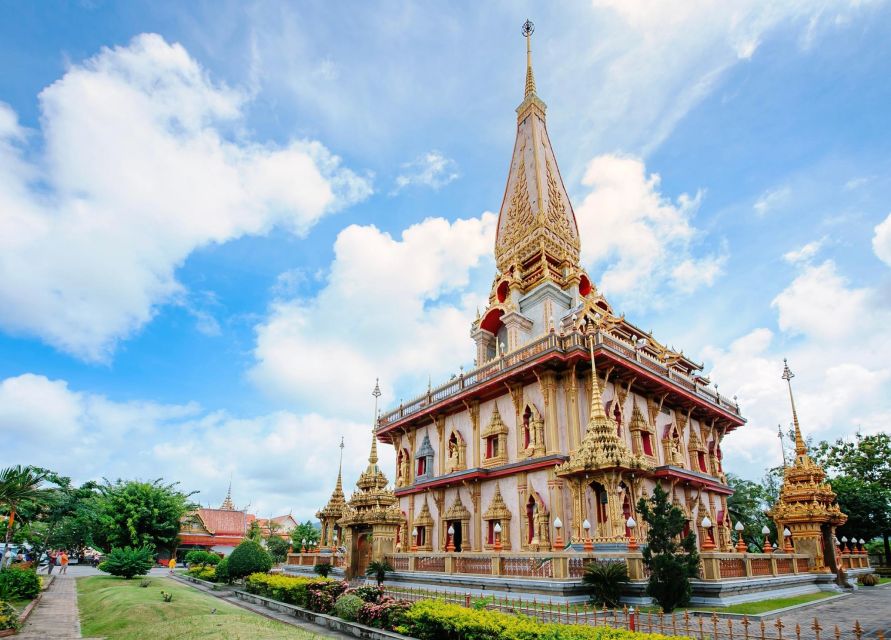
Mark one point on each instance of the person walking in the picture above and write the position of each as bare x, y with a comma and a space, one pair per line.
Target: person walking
172, 565
50, 562
63, 562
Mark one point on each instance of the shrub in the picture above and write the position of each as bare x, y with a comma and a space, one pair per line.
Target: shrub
9, 617
19, 583
145, 583
604, 582
128, 562
347, 606
322, 568
293, 590
368, 593
433, 620
277, 548
379, 569
203, 573
249, 557
387, 613
222, 571
868, 580
166, 596
323, 595
199, 557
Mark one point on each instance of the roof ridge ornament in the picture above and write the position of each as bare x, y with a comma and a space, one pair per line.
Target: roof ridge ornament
528, 30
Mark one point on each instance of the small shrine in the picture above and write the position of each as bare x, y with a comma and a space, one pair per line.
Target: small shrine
371, 518
806, 509
332, 512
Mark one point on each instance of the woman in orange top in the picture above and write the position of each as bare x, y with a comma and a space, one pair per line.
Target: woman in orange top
63, 562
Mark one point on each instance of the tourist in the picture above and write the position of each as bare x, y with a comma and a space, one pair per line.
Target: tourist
63, 562
50, 561
172, 565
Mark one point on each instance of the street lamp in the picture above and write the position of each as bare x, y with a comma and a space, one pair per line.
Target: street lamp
862, 548
414, 539
497, 529
450, 546
632, 543
765, 531
845, 548
304, 545
740, 543
787, 536
708, 544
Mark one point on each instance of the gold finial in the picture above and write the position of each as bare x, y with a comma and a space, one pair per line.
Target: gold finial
597, 410
800, 448
339, 486
528, 30
372, 458
227, 503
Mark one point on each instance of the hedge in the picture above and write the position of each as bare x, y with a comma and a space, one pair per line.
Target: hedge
433, 620
290, 589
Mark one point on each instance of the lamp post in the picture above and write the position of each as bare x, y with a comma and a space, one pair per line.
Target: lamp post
845, 548
862, 548
558, 537
740, 543
414, 539
708, 544
303, 548
588, 543
450, 540
787, 536
497, 529
632, 543
765, 531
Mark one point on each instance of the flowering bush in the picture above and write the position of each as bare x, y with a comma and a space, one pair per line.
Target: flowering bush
293, 590
433, 620
386, 613
16, 582
368, 593
203, 572
9, 618
324, 594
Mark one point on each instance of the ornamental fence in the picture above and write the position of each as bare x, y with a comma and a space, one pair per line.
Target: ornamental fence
698, 625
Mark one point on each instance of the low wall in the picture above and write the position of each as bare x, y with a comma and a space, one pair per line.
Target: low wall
332, 622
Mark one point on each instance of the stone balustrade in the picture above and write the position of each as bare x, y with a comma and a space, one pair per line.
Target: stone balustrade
714, 566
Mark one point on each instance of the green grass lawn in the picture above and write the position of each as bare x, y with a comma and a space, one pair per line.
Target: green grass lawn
119, 609
763, 606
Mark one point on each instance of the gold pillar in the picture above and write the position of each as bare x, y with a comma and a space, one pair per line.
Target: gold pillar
477, 542
473, 410
547, 381
571, 390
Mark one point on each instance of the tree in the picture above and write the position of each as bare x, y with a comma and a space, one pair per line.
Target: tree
379, 569
867, 505
277, 548
604, 581
749, 502
254, 533
671, 564
140, 514
306, 531
19, 487
247, 558
866, 458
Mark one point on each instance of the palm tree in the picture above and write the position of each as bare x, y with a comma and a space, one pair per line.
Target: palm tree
379, 569
18, 485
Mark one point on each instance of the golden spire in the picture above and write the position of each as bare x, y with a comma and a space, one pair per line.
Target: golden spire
598, 413
372, 458
800, 448
528, 30
228, 505
338, 488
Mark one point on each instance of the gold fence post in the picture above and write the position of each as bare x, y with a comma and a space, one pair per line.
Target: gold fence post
411, 563
748, 562
635, 567
773, 564
711, 568
496, 565
561, 568
450, 564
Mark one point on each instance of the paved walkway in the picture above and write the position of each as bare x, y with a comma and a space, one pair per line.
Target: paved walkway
55, 617
870, 606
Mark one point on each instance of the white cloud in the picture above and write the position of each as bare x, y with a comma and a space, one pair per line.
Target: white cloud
770, 200
881, 241
643, 239
277, 461
838, 342
804, 253
431, 169
141, 162
393, 308
820, 304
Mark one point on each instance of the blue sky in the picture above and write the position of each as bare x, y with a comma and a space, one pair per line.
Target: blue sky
219, 223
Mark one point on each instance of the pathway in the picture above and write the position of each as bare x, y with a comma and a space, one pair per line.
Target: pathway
871, 606
55, 617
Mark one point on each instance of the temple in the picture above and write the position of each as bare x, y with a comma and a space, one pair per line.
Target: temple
531, 463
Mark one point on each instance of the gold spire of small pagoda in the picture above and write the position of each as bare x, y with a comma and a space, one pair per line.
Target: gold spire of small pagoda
800, 447
228, 505
338, 488
372, 457
598, 413
528, 30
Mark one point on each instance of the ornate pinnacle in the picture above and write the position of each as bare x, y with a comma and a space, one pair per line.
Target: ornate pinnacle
528, 30
339, 486
597, 410
372, 457
800, 448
